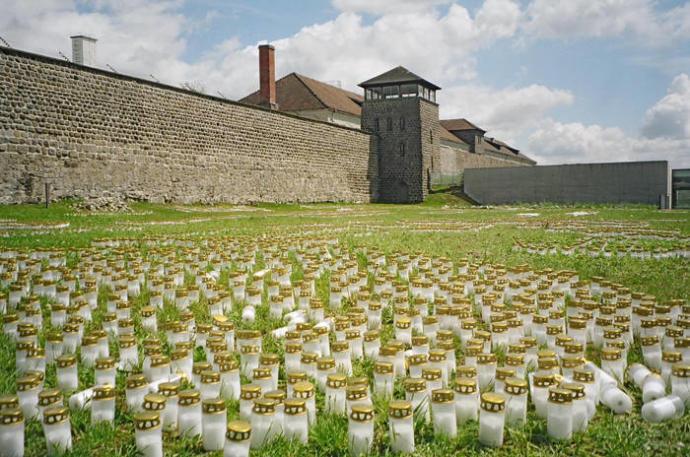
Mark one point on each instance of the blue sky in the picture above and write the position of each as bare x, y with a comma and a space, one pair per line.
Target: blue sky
563, 80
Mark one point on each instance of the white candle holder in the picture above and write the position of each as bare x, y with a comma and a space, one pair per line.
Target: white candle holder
103, 405
466, 400
361, 430
136, 387
49, 398
56, 428
540, 393
209, 384
443, 412
148, 433
28, 388
214, 424
248, 393
128, 352
580, 406
104, 371
486, 370
664, 408
296, 424
384, 378
491, 419
335, 393
189, 413
237, 439
305, 390
680, 381
324, 367
371, 343
416, 393
401, 426
262, 378
516, 401
559, 421
12, 432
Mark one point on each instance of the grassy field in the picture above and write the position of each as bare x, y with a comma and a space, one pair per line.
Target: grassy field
445, 225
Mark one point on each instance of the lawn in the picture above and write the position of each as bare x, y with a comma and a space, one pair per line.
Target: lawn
444, 226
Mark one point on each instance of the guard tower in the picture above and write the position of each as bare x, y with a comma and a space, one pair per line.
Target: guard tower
400, 110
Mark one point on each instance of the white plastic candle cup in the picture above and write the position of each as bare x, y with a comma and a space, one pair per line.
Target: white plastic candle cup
491, 419
516, 401
213, 424
248, 393
540, 394
638, 373
466, 400
237, 439
664, 408
56, 428
230, 382
384, 378
653, 387
680, 381
210, 385
12, 432
189, 413
614, 398
103, 405
443, 412
296, 424
28, 388
335, 394
148, 433
360, 430
135, 390
580, 405
67, 378
262, 418
401, 426
559, 421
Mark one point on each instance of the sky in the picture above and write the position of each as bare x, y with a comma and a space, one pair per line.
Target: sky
565, 81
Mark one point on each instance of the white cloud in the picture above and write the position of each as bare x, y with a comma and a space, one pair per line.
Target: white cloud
670, 116
565, 19
555, 142
507, 113
381, 7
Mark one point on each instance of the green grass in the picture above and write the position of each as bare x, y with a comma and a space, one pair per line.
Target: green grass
390, 228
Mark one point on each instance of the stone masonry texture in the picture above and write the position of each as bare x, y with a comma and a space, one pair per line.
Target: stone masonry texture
92, 133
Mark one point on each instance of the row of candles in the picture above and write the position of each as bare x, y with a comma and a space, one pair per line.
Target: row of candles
355, 347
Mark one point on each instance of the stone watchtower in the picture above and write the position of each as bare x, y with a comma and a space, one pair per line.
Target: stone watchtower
400, 110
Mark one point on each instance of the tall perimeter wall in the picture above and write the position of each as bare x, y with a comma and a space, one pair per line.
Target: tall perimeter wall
624, 182
89, 133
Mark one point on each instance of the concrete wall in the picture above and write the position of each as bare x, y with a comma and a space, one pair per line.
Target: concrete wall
90, 132
624, 182
449, 165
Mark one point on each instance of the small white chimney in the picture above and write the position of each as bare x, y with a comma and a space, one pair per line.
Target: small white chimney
84, 50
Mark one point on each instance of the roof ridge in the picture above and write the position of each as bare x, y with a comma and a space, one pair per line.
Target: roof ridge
299, 77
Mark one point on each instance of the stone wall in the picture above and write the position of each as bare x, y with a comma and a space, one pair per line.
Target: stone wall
451, 162
405, 132
90, 133
624, 182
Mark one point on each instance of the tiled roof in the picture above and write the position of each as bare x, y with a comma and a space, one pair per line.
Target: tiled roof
446, 135
295, 92
459, 124
397, 75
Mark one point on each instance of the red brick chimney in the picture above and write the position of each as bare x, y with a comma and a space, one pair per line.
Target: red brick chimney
267, 76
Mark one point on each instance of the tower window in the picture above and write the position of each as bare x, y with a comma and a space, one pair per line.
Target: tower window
402, 150
377, 127
402, 124
431, 136
391, 91
390, 124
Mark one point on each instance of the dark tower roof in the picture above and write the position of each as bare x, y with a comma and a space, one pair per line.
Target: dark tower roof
397, 75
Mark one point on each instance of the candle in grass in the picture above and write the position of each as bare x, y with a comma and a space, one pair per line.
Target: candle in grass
360, 429
148, 433
12, 432
237, 439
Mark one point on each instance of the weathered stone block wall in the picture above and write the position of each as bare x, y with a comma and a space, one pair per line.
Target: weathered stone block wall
90, 132
405, 131
623, 182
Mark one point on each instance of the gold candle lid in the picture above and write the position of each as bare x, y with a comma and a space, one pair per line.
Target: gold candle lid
414, 385
8, 401
26, 383
543, 381
611, 354
258, 373
561, 396
336, 381
325, 363
136, 381
154, 402
515, 386
200, 367
106, 392
442, 396
213, 406
49, 397
147, 421
11, 416
189, 398
492, 402
56, 415
399, 409
263, 406
681, 371
250, 392
465, 386
295, 406
577, 389
486, 358
238, 431
362, 413
297, 376
383, 368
